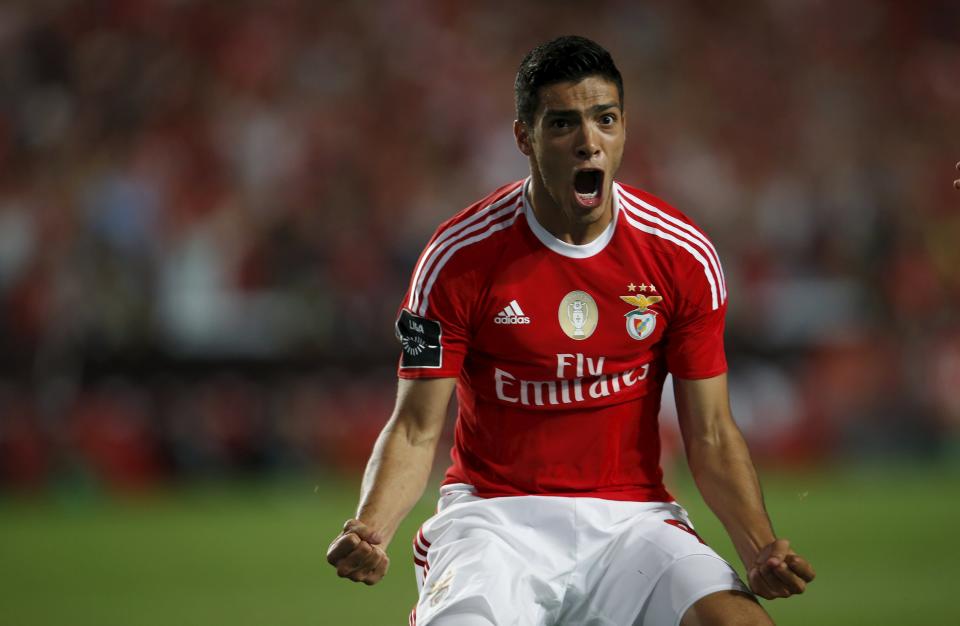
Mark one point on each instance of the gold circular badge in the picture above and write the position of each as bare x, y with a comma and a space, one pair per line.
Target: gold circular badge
578, 315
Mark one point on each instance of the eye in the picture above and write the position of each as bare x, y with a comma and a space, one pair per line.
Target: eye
608, 118
559, 123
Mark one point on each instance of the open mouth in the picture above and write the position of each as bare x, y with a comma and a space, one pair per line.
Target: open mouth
587, 187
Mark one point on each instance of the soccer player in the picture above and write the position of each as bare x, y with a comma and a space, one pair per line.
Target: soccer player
556, 306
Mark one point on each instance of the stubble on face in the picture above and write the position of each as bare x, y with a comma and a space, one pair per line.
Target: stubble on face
575, 145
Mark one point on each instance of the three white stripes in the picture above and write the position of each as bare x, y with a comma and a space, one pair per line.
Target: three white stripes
439, 252
673, 230
421, 281
513, 309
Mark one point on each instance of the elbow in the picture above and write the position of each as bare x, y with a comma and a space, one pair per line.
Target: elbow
423, 440
708, 441
413, 432
716, 449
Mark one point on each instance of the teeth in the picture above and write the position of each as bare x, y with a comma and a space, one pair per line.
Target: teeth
592, 194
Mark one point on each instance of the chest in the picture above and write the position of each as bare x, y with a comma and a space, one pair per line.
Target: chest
543, 310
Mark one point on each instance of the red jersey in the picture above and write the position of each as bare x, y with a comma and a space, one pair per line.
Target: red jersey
561, 350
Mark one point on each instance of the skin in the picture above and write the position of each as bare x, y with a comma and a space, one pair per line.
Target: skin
720, 463
580, 124
576, 125
394, 480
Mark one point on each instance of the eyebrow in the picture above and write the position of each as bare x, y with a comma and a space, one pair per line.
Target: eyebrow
597, 108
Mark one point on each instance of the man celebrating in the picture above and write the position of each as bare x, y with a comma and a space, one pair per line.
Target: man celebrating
556, 307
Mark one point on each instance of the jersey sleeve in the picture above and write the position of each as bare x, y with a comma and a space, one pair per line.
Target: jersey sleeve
694, 347
433, 321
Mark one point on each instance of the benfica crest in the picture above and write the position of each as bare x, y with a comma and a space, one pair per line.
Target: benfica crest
641, 321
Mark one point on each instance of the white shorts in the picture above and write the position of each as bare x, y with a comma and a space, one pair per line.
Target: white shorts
543, 560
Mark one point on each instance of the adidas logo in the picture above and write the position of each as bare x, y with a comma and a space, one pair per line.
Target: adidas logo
511, 314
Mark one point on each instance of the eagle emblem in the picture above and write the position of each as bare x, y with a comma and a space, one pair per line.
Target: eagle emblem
641, 321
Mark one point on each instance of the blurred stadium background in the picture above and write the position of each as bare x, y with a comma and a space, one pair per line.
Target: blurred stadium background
209, 211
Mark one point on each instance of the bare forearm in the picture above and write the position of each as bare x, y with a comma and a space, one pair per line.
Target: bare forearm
395, 478
726, 478
724, 473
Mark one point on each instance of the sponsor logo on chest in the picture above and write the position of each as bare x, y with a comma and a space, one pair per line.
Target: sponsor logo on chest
579, 378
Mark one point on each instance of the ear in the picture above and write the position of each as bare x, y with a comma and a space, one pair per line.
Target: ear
522, 134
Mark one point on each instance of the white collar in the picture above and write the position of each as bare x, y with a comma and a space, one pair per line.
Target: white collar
570, 250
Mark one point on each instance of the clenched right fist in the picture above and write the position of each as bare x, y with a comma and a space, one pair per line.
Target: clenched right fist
357, 555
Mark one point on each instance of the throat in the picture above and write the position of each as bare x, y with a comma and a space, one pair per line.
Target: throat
583, 234
576, 227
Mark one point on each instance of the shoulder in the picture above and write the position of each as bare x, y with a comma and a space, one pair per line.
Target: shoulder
470, 233
656, 217
654, 223
499, 205
460, 245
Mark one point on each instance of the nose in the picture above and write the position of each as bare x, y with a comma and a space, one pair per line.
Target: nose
588, 146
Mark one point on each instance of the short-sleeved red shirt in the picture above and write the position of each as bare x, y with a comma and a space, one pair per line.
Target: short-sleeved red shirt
561, 351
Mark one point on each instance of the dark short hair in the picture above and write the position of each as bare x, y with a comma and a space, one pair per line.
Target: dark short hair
568, 58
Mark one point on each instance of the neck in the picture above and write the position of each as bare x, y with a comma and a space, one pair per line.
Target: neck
564, 226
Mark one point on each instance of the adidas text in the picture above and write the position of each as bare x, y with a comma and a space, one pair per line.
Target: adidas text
511, 319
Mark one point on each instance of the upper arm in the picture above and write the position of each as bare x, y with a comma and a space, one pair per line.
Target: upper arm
434, 323
694, 339
421, 408
703, 408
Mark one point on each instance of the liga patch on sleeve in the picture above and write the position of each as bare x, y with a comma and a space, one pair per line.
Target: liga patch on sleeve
420, 339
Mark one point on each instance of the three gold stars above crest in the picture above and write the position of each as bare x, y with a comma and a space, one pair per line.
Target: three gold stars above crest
643, 287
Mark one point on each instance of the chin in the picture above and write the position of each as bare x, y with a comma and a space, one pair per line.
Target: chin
584, 215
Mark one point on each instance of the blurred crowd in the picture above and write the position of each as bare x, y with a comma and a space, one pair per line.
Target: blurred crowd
209, 212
